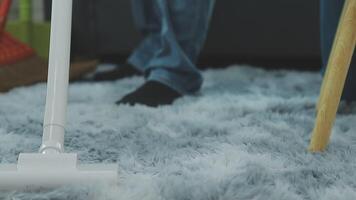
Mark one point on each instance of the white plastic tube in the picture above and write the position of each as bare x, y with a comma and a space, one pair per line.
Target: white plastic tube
58, 77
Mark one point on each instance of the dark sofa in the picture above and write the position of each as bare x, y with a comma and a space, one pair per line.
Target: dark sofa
269, 33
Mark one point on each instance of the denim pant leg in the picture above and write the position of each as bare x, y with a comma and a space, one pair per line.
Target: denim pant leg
175, 31
330, 11
147, 21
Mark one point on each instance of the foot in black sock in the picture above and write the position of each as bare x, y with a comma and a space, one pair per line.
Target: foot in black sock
152, 93
125, 70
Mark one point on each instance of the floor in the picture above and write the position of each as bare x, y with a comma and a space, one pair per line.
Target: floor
244, 136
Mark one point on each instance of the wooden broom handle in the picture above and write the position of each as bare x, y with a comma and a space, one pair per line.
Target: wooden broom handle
335, 77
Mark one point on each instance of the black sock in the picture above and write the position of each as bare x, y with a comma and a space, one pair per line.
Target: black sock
125, 70
152, 93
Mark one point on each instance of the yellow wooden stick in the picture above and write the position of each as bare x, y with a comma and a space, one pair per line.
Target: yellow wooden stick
322, 90
335, 77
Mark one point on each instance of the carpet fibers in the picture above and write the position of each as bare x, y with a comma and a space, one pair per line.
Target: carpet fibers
243, 137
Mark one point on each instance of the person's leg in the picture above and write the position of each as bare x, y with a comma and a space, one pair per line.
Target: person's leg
330, 12
146, 19
175, 32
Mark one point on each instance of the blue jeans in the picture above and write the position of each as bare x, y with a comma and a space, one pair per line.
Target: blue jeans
174, 32
330, 11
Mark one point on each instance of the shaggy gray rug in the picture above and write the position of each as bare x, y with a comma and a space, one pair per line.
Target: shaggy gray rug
243, 137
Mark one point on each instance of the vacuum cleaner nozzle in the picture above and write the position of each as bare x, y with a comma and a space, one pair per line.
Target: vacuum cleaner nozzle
51, 168
48, 171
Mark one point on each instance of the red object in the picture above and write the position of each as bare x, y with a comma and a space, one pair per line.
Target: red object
11, 49
4, 11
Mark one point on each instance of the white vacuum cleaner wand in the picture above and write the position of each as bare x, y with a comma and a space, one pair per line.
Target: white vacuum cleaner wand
51, 167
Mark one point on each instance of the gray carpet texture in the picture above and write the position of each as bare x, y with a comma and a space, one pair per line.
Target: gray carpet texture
244, 136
